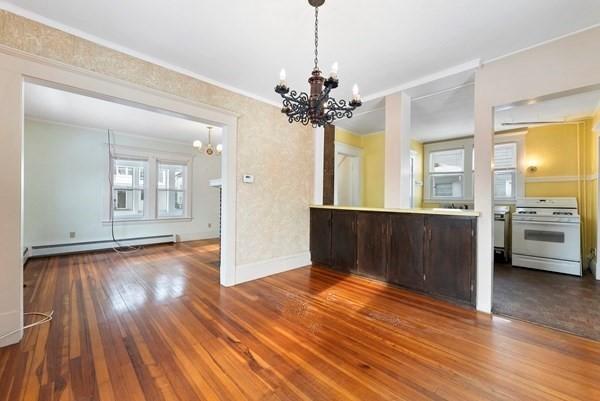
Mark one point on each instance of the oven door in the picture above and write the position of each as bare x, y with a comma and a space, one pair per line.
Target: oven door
547, 239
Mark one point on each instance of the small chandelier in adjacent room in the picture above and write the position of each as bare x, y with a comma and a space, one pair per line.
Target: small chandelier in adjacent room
209, 150
316, 108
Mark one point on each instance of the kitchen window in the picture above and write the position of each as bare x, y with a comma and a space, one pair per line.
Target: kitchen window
446, 173
449, 169
505, 171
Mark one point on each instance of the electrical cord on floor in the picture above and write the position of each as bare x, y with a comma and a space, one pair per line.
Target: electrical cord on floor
47, 318
120, 249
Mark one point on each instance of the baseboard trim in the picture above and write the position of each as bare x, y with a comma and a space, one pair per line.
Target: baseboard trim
26, 254
264, 268
197, 236
10, 321
57, 249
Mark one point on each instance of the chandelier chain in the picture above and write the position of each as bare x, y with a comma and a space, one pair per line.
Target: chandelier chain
316, 38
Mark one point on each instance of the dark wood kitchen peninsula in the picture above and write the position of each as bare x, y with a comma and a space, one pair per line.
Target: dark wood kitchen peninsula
426, 250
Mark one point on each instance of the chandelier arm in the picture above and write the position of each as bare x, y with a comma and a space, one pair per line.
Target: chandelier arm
296, 97
339, 105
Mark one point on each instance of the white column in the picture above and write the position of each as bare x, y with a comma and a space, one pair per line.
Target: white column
319, 138
11, 252
483, 198
397, 151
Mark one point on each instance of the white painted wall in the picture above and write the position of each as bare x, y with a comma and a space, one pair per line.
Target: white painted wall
65, 177
397, 182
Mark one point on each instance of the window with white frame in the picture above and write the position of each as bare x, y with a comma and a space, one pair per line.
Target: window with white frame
450, 168
171, 190
446, 173
149, 185
505, 171
128, 188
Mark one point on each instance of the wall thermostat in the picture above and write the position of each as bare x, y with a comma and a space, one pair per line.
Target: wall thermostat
248, 179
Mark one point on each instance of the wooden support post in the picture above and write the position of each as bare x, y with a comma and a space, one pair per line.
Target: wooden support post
328, 164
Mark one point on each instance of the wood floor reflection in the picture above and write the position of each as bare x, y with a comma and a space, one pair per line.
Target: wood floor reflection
156, 325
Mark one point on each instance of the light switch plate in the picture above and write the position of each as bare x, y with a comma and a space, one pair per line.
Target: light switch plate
248, 179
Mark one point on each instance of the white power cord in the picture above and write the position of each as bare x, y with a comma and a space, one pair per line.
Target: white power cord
47, 317
120, 249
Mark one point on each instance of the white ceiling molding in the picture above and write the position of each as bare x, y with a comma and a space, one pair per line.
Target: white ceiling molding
125, 50
448, 72
545, 42
433, 47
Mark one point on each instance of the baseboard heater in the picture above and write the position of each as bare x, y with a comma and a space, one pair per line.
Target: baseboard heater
75, 247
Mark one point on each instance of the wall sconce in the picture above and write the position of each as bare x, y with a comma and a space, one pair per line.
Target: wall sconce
532, 168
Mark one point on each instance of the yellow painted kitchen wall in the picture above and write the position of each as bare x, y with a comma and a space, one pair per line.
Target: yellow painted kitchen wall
566, 157
372, 181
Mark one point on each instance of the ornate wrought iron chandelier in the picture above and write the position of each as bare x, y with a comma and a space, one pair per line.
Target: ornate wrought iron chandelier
316, 108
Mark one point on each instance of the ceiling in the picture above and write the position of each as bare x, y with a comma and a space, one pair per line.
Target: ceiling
563, 108
441, 109
380, 44
49, 104
438, 114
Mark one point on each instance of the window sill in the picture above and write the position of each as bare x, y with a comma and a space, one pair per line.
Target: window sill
447, 200
148, 221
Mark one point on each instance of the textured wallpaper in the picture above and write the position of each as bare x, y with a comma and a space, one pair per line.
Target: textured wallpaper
272, 215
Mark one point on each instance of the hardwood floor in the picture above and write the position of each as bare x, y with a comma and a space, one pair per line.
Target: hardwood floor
156, 325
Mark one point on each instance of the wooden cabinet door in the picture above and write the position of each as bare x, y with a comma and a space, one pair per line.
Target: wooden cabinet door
343, 240
320, 236
405, 265
372, 244
449, 256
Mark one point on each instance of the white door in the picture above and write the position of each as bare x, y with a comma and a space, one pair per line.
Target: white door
347, 175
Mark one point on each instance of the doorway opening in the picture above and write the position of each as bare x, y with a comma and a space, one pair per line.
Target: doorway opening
545, 237
105, 174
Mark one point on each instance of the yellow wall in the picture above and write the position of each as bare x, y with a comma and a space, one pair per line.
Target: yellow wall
373, 169
563, 151
418, 148
372, 182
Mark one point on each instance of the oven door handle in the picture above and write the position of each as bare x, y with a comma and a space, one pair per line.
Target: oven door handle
560, 223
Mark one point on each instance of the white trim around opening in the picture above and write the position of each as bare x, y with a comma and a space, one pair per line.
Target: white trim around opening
17, 67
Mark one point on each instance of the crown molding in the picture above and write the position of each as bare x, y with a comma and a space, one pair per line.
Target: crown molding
130, 52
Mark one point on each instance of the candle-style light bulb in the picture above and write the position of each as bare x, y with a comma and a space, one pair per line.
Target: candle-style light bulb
334, 70
282, 77
355, 92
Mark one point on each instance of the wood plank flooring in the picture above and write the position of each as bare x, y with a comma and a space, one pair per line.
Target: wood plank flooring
156, 325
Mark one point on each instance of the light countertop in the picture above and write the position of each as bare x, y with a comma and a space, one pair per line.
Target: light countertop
436, 211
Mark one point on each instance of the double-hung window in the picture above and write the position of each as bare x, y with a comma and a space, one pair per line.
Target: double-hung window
171, 190
149, 185
505, 171
446, 173
128, 188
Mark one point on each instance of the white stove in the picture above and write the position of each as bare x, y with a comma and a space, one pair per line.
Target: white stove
546, 235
